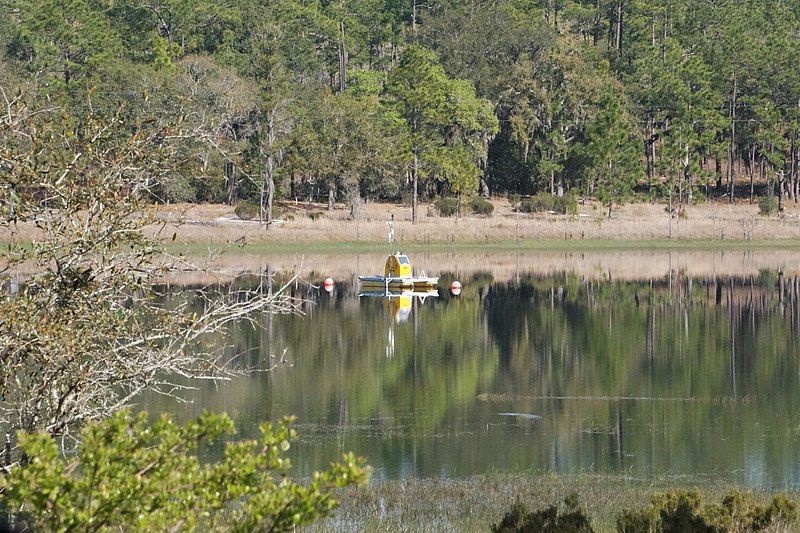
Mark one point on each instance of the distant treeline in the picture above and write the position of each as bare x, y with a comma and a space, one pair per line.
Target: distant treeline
398, 99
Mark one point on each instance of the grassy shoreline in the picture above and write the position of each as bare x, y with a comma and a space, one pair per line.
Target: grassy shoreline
508, 245
321, 247
474, 503
641, 227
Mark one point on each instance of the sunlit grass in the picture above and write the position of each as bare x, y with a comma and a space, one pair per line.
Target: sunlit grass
476, 502
506, 245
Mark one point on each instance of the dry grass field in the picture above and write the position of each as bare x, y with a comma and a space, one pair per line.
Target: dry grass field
299, 223
741, 221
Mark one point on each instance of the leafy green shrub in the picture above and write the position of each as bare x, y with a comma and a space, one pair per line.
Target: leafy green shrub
536, 204
247, 210
767, 205
682, 511
130, 475
566, 204
519, 519
544, 202
315, 215
481, 206
446, 206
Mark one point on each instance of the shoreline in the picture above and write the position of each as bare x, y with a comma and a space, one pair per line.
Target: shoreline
523, 245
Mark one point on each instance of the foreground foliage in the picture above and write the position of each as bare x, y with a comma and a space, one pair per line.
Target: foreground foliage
83, 324
571, 520
683, 511
678, 511
132, 476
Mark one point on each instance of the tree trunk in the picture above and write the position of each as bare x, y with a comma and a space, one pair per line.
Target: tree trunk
414, 181
687, 176
752, 166
732, 145
484, 187
355, 203
267, 195
331, 197
342, 59
618, 27
484, 165
793, 170
649, 148
597, 20
268, 182
671, 187
230, 180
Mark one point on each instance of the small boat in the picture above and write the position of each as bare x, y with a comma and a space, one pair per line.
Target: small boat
398, 275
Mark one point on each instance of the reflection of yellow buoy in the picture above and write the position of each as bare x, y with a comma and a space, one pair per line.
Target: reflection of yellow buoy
400, 307
328, 284
455, 288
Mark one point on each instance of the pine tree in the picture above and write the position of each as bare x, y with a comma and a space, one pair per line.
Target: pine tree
611, 154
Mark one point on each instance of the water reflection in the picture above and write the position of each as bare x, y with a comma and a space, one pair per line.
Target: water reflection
556, 372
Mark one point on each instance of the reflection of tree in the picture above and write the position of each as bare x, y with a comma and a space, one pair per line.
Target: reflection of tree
440, 363
712, 363
720, 349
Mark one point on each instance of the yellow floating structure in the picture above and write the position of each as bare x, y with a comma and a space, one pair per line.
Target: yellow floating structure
398, 275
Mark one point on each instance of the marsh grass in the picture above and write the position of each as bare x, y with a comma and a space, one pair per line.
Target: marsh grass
477, 502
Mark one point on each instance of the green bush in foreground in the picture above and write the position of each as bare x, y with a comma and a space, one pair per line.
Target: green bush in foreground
682, 511
520, 520
132, 476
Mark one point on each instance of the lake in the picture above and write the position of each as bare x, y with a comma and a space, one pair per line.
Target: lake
646, 364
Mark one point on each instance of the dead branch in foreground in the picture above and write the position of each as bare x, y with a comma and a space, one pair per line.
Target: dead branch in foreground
88, 330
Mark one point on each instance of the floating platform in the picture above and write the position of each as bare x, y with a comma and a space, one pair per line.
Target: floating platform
398, 276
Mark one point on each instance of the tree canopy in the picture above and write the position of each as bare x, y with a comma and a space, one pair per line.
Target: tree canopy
440, 98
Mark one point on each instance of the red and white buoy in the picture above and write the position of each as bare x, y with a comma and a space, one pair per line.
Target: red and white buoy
328, 284
455, 288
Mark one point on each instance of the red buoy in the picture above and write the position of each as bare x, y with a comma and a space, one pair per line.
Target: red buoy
328, 284
455, 288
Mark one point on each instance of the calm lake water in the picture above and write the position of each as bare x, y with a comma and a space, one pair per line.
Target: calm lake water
526, 371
